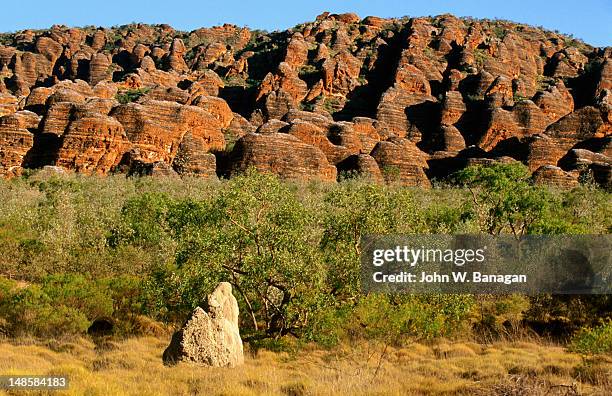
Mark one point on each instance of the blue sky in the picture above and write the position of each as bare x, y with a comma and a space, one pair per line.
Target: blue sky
590, 20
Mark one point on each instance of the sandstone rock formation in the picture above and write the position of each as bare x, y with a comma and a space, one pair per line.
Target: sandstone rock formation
16, 140
281, 154
93, 143
555, 176
402, 162
211, 336
382, 97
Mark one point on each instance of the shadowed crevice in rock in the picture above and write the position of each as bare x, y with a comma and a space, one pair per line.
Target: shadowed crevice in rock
422, 117
363, 101
240, 99
45, 151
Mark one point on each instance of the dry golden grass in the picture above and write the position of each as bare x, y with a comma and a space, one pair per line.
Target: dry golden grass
134, 367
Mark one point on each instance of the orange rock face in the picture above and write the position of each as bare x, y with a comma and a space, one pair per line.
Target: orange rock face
281, 154
555, 176
542, 150
317, 137
410, 93
16, 139
99, 68
8, 104
525, 119
396, 100
193, 157
93, 143
363, 165
555, 102
296, 54
157, 128
217, 107
449, 139
402, 162
453, 108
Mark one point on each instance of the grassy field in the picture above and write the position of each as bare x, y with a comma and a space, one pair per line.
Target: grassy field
134, 367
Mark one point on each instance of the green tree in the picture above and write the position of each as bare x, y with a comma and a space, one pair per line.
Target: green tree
504, 199
258, 236
355, 209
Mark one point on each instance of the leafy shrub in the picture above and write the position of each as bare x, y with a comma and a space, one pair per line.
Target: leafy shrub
501, 315
75, 291
499, 32
61, 305
565, 314
142, 221
545, 82
330, 104
593, 340
391, 173
126, 293
474, 98
519, 98
416, 317
480, 57
445, 219
6, 287
308, 71
352, 210
504, 198
31, 311
130, 95
394, 319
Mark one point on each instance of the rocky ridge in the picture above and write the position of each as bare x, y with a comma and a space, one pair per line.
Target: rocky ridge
403, 100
